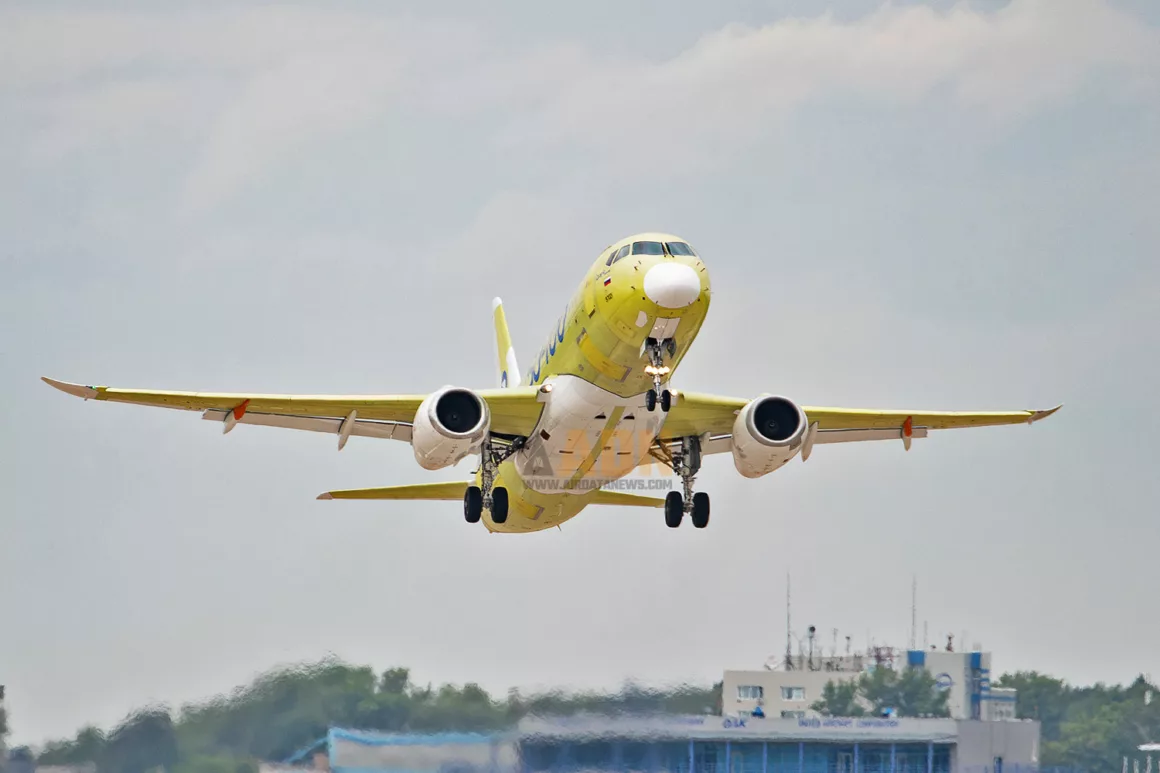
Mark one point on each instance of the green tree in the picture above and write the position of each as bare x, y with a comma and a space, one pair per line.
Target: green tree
1039, 697
910, 692
143, 742
88, 746
839, 699
395, 681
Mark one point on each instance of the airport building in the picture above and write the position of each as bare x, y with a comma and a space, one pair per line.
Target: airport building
690, 744
786, 689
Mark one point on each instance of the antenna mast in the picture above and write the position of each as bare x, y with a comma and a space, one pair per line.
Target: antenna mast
788, 633
913, 610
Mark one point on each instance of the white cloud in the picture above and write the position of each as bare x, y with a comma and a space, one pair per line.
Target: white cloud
250, 87
734, 83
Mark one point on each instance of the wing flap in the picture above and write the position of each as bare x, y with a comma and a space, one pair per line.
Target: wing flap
363, 428
723, 444
853, 418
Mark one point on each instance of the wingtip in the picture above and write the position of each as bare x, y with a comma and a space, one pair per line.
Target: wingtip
77, 390
1039, 415
496, 303
325, 495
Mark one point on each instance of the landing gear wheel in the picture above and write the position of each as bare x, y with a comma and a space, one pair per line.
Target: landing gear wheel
666, 400
700, 510
472, 504
499, 504
650, 400
674, 509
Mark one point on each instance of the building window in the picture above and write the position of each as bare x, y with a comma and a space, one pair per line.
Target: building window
750, 692
793, 693
792, 714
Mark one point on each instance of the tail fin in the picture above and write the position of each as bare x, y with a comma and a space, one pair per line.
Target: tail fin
509, 369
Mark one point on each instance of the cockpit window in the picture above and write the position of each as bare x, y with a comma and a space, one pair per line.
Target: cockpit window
621, 253
647, 248
680, 248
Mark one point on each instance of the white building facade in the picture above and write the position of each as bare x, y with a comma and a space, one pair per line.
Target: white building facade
789, 693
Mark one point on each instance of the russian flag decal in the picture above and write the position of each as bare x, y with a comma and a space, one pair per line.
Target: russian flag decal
608, 281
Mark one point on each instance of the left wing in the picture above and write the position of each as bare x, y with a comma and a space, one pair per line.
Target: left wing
712, 416
514, 411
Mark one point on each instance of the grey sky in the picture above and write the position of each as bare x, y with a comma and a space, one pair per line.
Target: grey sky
946, 206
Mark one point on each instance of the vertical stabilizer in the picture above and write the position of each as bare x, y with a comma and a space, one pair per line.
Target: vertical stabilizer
509, 369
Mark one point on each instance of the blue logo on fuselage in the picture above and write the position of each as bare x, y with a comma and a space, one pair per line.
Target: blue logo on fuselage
549, 351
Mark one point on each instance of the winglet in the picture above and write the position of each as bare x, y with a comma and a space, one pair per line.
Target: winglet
1037, 415
325, 495
76, 390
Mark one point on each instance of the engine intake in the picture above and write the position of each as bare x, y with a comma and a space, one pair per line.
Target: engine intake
767, 433
449, 425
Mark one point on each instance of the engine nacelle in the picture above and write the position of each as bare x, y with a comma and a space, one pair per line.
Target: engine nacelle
767, 433
449, 425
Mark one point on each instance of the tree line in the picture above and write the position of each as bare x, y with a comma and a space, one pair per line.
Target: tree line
286, 710
281, 712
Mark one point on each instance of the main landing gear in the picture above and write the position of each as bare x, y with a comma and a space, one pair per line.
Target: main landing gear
656, 368
489, 496
687, 463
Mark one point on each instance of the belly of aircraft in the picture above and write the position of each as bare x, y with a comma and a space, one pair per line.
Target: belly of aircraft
587, 438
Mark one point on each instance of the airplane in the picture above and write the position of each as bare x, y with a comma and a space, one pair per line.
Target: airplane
597, 405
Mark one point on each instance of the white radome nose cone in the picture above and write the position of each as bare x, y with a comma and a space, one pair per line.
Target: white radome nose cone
672, 285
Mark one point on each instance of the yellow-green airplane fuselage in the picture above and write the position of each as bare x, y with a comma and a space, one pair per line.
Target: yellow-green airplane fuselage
599, 339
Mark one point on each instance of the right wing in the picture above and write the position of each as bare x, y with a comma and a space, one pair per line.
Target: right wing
514, 411
711, 417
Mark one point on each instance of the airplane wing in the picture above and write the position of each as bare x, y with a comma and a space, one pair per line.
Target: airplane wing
514, 411
711, 417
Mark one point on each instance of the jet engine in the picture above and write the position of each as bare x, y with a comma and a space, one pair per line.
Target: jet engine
449, 425
767, 433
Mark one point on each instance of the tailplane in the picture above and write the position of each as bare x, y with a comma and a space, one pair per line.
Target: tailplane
509, 369
447, 492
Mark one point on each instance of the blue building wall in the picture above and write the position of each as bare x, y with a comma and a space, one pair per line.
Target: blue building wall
547, 756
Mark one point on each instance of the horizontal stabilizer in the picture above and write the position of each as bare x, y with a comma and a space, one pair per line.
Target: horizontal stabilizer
449, 492
603, 497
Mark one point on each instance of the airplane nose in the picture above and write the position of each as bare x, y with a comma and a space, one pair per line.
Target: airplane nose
672, 285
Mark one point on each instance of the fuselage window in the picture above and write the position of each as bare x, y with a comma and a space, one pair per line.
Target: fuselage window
680, 248
647, 248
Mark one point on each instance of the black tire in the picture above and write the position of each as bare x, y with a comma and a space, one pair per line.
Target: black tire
674, 509
472, 504
666, 400
499, 504
700, 510
650, 399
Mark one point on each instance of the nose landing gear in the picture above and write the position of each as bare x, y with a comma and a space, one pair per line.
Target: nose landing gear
657, 369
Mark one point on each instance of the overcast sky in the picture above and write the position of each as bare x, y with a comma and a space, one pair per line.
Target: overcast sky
903, 206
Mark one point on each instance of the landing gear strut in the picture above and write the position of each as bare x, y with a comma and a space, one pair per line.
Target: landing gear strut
656, 368
489, 496
687, 463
